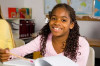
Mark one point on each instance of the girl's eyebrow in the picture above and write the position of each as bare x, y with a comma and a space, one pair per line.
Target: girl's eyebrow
64, 17
61, 16
53, 15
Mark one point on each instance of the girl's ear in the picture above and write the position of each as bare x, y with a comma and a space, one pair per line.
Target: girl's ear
71, 25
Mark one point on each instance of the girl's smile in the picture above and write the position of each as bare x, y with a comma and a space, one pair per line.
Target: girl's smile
56, 29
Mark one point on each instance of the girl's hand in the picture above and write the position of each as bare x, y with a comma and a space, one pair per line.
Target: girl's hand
4, 55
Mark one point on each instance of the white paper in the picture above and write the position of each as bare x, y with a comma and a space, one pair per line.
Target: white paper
55, 61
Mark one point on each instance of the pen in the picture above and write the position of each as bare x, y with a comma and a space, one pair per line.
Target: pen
22, 57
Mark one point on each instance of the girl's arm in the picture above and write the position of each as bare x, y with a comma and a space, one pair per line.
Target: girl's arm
28, 48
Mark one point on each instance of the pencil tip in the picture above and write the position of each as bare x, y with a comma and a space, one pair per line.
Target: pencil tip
31, 61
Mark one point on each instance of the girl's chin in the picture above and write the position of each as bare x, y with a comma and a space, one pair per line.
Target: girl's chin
56, 34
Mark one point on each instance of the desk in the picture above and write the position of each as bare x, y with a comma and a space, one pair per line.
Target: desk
94, 42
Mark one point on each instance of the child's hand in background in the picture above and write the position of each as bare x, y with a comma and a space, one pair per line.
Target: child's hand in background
4, 55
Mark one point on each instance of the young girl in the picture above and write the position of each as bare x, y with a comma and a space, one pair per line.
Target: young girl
60, 36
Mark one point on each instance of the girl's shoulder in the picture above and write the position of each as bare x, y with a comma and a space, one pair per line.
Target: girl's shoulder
81, 38
83, 41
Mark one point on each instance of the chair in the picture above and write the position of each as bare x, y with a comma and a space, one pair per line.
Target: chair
91, 58
19, 42
36, 55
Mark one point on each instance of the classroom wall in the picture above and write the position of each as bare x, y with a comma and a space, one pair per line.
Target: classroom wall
37, 12
88, 29
10, 3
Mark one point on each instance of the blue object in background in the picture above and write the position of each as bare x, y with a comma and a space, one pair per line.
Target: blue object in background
97, 6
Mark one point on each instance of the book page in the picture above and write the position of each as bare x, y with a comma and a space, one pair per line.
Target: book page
18, 62
58, 60
41, 62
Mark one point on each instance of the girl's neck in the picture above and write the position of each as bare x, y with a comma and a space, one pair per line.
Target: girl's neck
59, 40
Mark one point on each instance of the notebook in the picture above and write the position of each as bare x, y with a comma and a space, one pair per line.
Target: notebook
45, 61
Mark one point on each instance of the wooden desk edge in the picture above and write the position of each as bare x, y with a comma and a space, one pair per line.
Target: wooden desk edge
94, 43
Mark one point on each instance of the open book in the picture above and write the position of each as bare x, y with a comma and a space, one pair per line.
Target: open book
45, 61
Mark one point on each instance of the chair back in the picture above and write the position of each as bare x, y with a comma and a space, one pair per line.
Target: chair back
91, 58
19, 42
37, 55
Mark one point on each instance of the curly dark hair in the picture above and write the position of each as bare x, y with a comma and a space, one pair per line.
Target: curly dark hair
0, 13
72, 45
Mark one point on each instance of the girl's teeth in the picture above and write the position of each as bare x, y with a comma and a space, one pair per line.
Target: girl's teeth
57, 28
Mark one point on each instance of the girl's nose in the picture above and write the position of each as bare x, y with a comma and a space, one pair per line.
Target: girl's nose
57, 22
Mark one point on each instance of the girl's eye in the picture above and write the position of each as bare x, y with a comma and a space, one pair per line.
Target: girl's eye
63, 20
53, 18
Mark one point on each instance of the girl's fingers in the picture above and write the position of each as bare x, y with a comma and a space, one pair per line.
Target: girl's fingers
4, 55
3, 60
7, 50
2, 51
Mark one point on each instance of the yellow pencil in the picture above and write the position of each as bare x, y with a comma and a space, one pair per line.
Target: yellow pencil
21, 57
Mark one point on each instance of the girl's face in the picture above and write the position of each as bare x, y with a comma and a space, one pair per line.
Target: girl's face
60, 22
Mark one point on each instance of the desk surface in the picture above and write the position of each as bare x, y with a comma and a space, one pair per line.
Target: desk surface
94, 42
